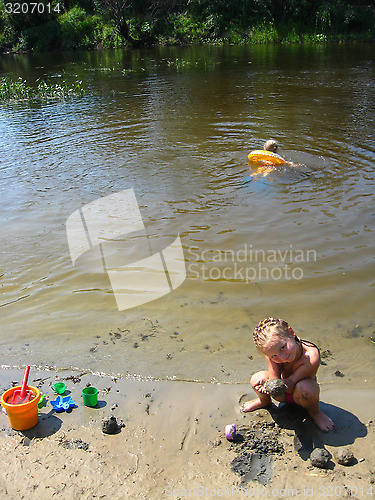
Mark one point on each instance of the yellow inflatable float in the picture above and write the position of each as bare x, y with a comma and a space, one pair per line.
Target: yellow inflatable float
266, 157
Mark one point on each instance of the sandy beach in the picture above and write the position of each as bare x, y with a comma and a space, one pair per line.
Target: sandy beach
171, 443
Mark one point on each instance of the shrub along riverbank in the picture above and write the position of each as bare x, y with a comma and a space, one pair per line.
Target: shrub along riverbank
87, 24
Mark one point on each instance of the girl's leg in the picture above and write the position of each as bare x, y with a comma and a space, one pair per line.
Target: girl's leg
257, 382
306, 394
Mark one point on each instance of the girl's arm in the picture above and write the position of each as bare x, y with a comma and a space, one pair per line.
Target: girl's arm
306, 370
274, 369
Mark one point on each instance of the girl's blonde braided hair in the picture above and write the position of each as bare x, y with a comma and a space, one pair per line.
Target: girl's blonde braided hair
262, 332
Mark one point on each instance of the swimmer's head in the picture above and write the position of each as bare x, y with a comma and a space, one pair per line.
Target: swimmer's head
271, 145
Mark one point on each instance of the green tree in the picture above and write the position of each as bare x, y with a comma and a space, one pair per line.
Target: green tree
119, 11
16, 24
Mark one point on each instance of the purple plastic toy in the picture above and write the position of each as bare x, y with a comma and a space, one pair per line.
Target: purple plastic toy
230, 431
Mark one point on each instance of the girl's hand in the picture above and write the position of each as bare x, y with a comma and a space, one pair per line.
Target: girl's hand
260, 386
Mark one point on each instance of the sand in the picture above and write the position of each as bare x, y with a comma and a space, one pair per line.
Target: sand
172, 444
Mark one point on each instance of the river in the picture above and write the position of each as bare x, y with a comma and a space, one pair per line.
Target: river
173, 126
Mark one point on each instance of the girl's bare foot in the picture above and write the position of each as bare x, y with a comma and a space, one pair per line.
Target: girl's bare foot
323, 421
254, 404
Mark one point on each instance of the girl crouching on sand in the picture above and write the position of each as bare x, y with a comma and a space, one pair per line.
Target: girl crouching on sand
294, 361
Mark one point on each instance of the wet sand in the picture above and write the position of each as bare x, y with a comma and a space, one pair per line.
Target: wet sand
172, 443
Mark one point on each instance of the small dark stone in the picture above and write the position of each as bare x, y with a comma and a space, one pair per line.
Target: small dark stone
70, 444
275, 387
215, 443
25, 441
326, 354
339, 374
319, 458
345, 456
74, 379
110, 425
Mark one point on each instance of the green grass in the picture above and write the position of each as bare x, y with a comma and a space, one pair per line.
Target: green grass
18, 90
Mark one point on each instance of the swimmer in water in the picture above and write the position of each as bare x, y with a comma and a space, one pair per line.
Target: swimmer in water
265, 166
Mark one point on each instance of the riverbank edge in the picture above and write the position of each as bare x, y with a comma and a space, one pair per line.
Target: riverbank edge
307, 39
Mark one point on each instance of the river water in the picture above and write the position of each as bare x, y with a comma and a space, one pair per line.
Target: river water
174, 126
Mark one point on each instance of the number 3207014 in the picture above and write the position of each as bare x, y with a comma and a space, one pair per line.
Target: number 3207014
32, 8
